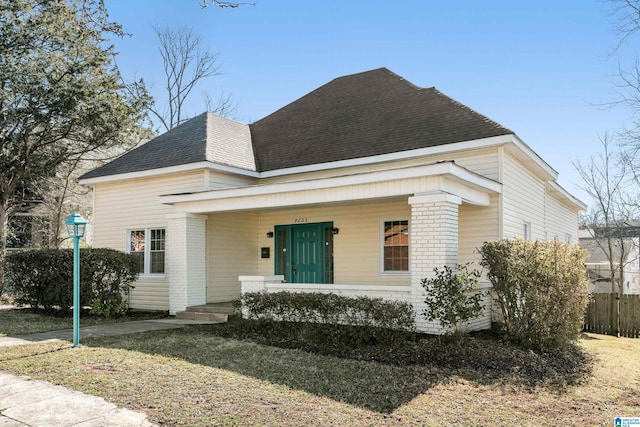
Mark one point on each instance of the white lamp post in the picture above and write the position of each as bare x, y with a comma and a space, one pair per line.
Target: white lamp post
76, 226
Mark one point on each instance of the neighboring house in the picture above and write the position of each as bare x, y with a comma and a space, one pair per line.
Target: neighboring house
360, 187
598, 268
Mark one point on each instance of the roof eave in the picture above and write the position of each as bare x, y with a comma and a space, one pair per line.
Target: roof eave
168, 170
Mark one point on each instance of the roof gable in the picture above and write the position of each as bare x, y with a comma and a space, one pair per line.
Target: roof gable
207, 137
361, 115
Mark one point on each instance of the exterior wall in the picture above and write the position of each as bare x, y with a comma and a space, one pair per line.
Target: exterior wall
356, 247
126, 205
523, 200
561, 221
218, 180
482, 161
477, 224
232, 251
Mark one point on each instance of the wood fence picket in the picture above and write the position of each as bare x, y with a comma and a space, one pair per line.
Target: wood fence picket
600, 312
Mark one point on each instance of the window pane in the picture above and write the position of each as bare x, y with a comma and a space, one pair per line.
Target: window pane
396, 245
157, 245
136, 242
140, 259
157, 240
157, 262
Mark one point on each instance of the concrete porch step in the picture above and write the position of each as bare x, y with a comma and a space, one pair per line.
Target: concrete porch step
217, 307
193, 315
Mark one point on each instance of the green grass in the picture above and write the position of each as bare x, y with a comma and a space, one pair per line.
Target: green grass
24, 321
201, 376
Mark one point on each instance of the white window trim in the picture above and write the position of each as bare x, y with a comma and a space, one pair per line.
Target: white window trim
147, 250
381, 249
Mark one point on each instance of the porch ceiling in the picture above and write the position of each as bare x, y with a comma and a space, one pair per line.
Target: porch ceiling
444, 177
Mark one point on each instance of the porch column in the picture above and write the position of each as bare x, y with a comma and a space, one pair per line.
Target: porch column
186, 260
433, 243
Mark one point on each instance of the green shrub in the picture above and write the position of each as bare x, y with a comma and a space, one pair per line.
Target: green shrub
540, 290
373, 319
43, 279
451, 298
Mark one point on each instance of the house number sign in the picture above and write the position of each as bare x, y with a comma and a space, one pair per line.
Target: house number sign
299, 220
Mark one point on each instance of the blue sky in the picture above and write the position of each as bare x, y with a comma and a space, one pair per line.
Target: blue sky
540, 68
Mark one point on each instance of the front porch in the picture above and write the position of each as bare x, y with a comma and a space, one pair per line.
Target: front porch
257, 238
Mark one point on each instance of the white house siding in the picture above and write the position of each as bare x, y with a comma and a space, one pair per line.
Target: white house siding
232, 251
217, 180
356, 247
133, 204
523, 200
560, 220
484, 162
477, 224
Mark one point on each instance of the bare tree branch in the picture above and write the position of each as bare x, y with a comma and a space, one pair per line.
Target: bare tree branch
605, 178
186, 63
224, 4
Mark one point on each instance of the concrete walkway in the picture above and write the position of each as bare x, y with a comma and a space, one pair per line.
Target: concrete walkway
102, 331
26, 402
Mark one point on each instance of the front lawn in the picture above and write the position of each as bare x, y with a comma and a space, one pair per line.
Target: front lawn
202, 376
24, 321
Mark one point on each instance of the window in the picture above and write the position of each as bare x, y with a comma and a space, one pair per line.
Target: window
396, 246
148, 246
527, 231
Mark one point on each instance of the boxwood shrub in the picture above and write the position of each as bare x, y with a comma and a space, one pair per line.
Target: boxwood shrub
43, 279
368, 319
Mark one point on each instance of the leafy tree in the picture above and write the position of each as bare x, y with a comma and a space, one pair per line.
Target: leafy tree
61, 95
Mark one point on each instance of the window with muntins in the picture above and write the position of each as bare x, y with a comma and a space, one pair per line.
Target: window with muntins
396, 246
148, 246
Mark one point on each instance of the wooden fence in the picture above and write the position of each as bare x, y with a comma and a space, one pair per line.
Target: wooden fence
600, 315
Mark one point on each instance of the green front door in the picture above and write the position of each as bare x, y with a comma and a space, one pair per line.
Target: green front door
304, 252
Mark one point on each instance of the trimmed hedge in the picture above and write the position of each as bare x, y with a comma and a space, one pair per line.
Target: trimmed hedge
540, 288
43, 279
373, 319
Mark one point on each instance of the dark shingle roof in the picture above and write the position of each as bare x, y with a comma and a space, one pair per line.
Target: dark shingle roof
181, 145
361, 115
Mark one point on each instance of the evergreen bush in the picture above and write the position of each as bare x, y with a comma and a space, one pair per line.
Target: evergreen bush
540, 289
373, 319
451, 296
43, 279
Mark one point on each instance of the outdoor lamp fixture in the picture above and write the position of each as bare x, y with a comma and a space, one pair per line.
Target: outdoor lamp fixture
76, 226
335, 230
270, 234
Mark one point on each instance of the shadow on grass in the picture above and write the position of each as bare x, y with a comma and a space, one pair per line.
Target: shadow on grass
379, 378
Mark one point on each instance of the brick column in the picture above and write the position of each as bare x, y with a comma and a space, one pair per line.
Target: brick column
433, 243
186, 261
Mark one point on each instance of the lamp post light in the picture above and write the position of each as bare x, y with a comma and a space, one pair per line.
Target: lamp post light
76, 226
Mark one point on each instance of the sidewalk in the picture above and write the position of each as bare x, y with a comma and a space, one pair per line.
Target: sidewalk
26, 402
